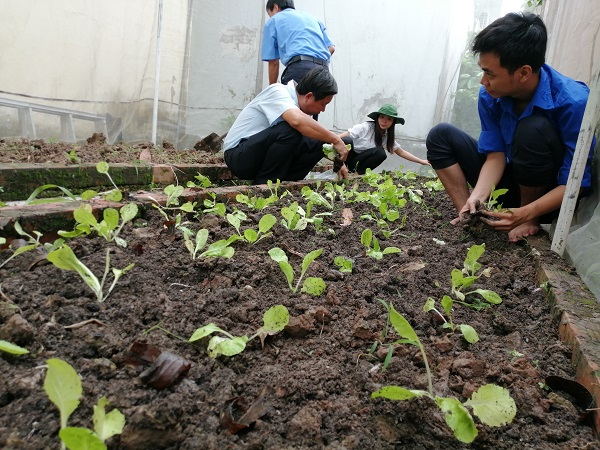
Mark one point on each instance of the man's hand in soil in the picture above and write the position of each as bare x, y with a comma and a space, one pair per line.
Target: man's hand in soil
516, 222
341, 150
468, 212
343, 172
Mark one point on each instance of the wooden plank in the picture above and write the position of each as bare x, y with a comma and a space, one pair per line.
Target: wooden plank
589, 125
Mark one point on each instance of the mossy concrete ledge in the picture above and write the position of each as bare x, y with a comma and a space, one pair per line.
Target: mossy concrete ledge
577, 312
20, 180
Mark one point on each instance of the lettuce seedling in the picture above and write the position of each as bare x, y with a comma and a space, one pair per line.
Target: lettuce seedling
11, 348
294, 217
115, 195
492, 203
366, 238
32, 242
274, 320
312, 285
64, 258
202, 182
344, 265
63, 387
492, 404
467, 331
212, 206
470, 273
257, 203
109, 227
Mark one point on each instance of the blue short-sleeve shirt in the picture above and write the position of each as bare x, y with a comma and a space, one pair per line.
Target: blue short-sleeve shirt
561, 99
291, 33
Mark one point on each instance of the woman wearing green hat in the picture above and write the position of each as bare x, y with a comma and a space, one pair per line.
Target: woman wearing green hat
368, 140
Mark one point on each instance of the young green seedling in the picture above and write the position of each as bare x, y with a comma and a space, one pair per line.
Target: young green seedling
64, 258
492, 404
257, 203
312, 285
344, 265
294, 217
274, 320
114, 195
32, 242
467, 331
109, 227
202, 182
63, 387
492, 203
212, 206
366, 238
462, 279
249, 235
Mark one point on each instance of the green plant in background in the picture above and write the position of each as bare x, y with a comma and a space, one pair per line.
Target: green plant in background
492, 404
386, 215
462, 279
366, 239
109, 227
254, 202
196, 241
64, 258
312, 285
11, 348
275, 320
201, 182
63, 387
115, 195
467, 331
73, 158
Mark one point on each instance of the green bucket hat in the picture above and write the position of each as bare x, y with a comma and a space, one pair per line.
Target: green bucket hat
387, 110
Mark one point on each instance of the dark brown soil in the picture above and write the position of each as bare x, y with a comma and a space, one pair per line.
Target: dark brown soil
319, 373
96, 150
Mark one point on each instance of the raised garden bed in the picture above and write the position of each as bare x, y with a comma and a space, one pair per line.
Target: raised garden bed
317, 376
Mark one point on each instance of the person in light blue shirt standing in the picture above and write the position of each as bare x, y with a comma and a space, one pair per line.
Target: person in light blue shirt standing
530, 120
296, 38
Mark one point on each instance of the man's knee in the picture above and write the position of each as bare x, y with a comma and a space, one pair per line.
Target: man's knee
440, 151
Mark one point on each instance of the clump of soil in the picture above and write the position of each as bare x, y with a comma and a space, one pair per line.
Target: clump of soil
316, 378
95, 149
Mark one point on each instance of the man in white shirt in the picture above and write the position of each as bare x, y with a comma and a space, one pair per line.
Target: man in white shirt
275, 137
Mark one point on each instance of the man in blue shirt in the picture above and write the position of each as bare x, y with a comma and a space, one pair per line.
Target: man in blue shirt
530, 119
296, 38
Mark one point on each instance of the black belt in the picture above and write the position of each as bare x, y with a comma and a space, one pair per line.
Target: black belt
297, 58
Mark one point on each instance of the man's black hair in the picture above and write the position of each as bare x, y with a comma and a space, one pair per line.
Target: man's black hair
319, 81
283, 4
518, 39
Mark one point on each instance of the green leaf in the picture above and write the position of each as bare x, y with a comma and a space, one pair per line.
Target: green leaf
489, 296
429, 305
275, 319
76, 438
12, 348
266, 222
366, 237
107, 425
205, 331
111, 218
493, 405
473, 254
458, 419
250, 235
314, 286
345, 265
390, 250
128, 212
102, 167
398, 393
447, 304
469, 333
226, 346
278, 255
84, 215
309, 258
65, 259
63, 386
114, 196
88, 195
402, 327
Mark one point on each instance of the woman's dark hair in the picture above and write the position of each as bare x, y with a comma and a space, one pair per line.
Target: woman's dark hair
283, 4
379, 133
319, 81
518, 39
